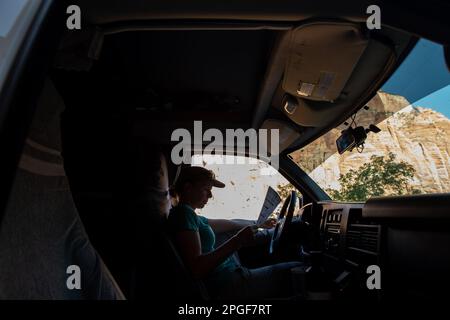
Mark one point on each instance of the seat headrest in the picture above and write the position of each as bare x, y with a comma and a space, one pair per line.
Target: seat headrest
42, 151
151, 177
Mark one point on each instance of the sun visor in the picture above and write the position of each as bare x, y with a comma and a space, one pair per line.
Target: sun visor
331, 69
321, 60
287, 133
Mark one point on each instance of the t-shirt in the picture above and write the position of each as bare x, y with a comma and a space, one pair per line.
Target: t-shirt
183, 217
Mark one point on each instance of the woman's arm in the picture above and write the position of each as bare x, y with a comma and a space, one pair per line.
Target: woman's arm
223, 225
189, 245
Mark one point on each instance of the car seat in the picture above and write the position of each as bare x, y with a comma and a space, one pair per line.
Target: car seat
158, 266
42, 238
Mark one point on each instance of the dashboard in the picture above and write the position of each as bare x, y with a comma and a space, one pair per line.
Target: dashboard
349, 244
407, 237
346, 237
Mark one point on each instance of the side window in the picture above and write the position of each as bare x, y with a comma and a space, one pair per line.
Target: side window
15, 18
246, 186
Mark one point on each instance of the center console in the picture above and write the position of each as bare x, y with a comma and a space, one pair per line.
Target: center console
350, 244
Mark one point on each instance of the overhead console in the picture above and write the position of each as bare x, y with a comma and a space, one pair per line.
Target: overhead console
331, 68
321, 59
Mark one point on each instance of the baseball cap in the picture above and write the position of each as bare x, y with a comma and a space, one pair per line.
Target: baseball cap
192, 174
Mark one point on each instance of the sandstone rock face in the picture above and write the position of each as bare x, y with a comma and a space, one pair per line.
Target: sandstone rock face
416, 135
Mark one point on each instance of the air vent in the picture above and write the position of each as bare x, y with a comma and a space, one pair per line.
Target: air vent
363, 237
334, 216
333, 229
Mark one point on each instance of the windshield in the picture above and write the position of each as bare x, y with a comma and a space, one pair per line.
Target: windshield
410, 155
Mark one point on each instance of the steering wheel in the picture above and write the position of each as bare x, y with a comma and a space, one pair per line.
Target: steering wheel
283, 221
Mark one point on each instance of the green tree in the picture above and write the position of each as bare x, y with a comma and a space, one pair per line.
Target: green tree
284, 190
378, 177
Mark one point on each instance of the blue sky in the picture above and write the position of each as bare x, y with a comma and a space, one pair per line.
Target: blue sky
10, 9
423, 78
439, 101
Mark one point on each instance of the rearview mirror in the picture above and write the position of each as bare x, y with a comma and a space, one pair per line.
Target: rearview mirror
345, 141
354, 137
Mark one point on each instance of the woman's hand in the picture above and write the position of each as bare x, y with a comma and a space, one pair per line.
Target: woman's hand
268, 224
246, 236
